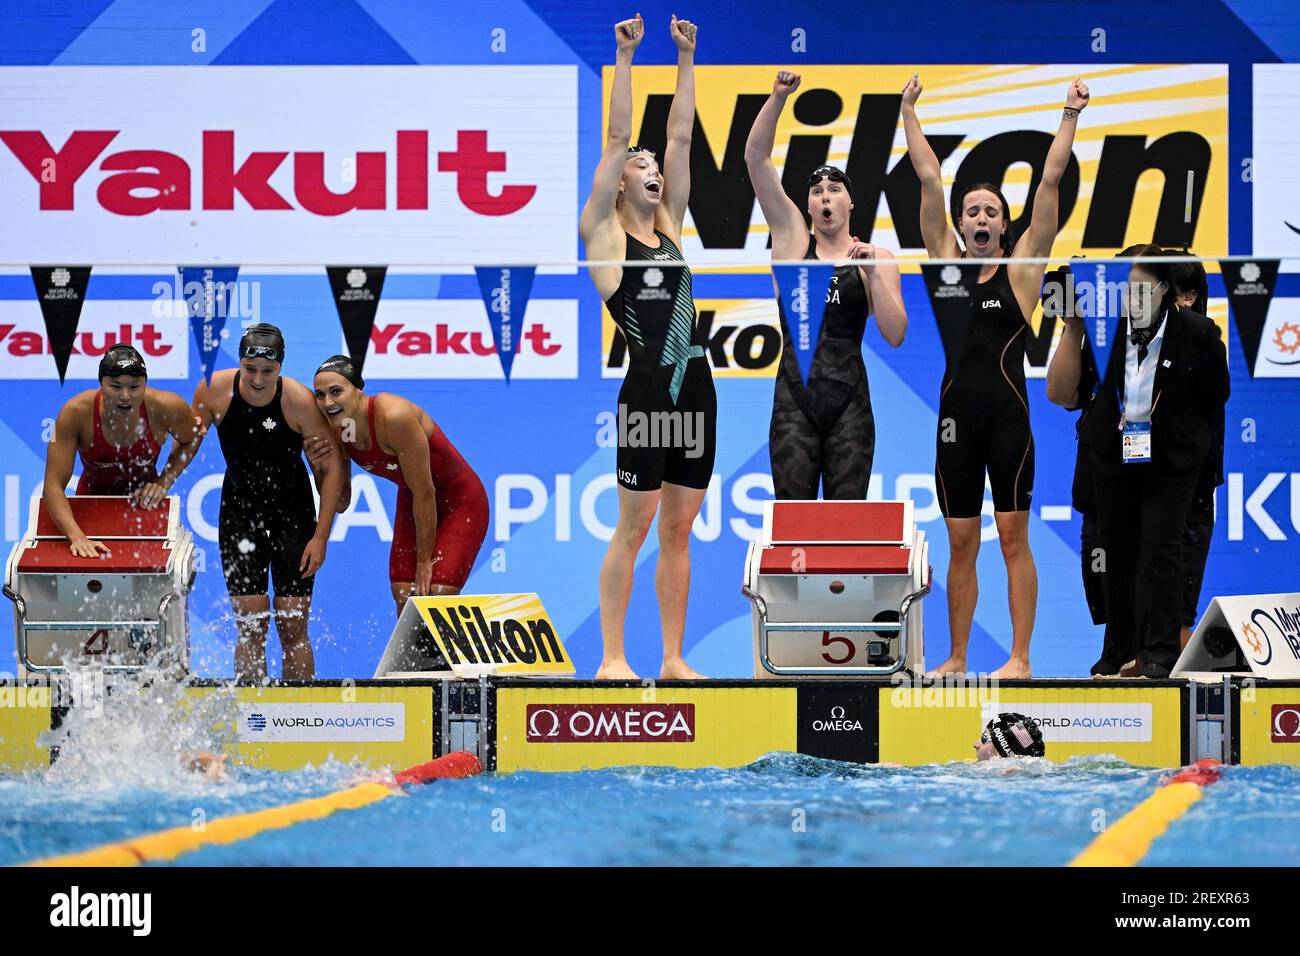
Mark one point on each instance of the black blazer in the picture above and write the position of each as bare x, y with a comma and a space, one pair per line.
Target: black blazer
1191, 388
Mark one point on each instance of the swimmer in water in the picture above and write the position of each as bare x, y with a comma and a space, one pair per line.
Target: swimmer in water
442, 507
119, 430
211, 766
1010, 735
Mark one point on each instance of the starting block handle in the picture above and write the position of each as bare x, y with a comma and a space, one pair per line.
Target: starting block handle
782, 671
17, 598
148, 629
90, 625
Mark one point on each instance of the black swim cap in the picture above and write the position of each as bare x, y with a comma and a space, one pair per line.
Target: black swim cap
1014, 735
262, 341
342, 365
834, 174
122, 360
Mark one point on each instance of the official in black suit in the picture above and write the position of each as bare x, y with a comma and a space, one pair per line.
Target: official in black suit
1168, 378
1072, 383
1192, 291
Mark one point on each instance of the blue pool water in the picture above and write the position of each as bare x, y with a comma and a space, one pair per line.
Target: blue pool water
781, 810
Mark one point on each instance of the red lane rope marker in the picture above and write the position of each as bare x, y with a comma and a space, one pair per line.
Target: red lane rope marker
453, 766
1202, 773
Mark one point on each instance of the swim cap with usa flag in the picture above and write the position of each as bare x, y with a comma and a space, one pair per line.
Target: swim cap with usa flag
1014, 735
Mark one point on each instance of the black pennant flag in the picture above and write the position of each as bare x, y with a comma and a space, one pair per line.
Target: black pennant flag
1250, 287
950, 288
356, 295
61, 291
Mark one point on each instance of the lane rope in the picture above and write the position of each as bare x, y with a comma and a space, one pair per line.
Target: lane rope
167, 845
1128, 840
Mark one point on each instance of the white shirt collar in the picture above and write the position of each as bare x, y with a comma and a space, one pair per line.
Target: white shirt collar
1160, 332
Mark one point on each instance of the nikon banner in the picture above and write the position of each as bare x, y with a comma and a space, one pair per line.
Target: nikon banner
1148, 127
469, 635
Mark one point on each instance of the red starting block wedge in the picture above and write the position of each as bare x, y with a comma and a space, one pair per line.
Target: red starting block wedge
835, 586
124, 610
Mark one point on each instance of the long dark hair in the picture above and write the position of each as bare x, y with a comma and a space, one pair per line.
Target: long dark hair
959, 200
1190, 277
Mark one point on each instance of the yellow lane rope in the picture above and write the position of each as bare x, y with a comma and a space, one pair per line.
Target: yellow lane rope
166, 845
1127, 841
169, 844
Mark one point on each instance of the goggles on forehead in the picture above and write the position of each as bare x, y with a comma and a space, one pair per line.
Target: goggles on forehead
262, 351
833, 173
640, 149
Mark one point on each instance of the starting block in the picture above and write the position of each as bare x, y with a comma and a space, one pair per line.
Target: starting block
835, 586
124, 611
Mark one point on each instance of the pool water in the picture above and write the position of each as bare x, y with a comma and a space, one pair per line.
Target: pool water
784, 810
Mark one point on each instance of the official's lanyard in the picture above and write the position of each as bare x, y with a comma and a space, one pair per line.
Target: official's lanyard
1135, 440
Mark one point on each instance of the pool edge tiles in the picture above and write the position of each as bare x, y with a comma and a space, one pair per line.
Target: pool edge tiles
24, 716
287, 727
1144, 724
566, 725
1266, 722
558, 727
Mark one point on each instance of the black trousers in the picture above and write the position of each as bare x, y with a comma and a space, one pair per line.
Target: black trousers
1089, 561
1141, 516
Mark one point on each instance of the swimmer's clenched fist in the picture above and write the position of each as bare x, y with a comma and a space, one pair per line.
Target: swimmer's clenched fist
1076, 98
786, 83
629, 33
912, 90
861, 250
683, 34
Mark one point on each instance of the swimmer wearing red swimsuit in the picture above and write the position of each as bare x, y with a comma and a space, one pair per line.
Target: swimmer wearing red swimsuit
442, 508
119, 430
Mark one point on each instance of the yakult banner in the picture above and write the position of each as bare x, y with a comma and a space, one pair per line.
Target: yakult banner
440, 339
343, 164
159, 334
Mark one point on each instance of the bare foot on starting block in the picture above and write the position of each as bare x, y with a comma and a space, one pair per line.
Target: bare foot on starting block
953, 665
676, 668
615, 669
1015, 669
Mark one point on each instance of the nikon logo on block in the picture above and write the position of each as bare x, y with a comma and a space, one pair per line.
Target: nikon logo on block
499, 633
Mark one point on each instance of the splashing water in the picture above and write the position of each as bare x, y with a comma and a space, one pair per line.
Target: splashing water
138, 732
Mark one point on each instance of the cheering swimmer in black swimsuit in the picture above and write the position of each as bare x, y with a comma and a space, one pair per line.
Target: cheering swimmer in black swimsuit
983, 407
822, 430
269, 526
667, 406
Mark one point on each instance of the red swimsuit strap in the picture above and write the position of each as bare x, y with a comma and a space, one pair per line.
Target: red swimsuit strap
374, 459
101, 448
